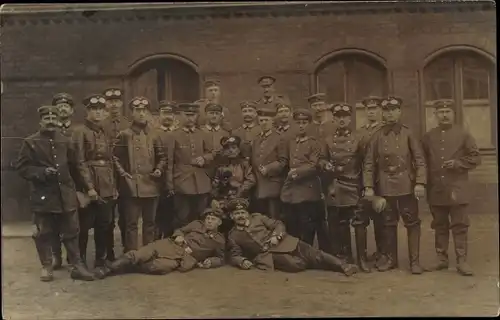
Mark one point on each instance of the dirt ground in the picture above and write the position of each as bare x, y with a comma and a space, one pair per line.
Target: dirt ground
228, 292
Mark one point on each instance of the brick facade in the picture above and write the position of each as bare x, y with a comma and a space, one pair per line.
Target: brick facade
47, 53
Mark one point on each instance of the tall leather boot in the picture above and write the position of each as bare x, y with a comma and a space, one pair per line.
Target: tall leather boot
460, 240
100, 239
78, 271
360, 236
110, 250
414, 249
114, 267
44, 250
378, 230
56, 253
345, 243
336, 264
441, 243
390, 248
83, 239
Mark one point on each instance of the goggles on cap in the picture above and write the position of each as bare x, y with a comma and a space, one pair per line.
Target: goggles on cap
110, 93
139, 102
341, 108
96, 100
393, 102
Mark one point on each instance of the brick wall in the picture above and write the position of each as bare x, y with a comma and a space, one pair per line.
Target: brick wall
84, 57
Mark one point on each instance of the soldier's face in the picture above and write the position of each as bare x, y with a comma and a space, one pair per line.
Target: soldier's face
114, 106
65, 110
140, 115
266, 123
302, 125
318, 107
96, 113
232, 151
49, 122
166, 117
214, 117
373, 113
283, 114
188, 118
212, 222
445, 116
342, 121
212, 93
391, 115
268, 90
249, 114
240, 216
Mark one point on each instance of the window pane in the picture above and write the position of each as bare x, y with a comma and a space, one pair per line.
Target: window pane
477, 119
367, 78
430, 118
331, 80
476, 78
438, 79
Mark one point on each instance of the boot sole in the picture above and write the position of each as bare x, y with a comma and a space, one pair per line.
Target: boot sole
46, 279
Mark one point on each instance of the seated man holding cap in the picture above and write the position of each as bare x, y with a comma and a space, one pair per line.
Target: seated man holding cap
198, 244
259, 241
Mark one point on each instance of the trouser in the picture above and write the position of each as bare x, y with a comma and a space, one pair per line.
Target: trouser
97, 215
301, 220
339, 222
164, 217
456, 219
270, 207
136, 208
57, 243
406, 207
305, 257
47, 224
110, 250
188, 207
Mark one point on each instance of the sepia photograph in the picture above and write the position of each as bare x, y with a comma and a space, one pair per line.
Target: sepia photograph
253, 159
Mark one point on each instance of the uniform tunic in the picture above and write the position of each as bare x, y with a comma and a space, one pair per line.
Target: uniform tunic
287, 132
202, 118
215, 133
449, 186
247, 133
273, 100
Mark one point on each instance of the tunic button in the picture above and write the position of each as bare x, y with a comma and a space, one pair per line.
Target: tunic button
442, 148
442, 158
442, 177
137, 148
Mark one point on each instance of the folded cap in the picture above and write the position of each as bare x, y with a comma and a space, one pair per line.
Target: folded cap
248, 104
318, 97
62, 97
211, 83
341, 109
444, 103
213, 107
113, 93
213, 212
139, 103
231, 140
371, 101
391, 102
237, 204
282, 105
188, 107
266, 80
94, 100
45, 110
266, 112
168, 106
302, 114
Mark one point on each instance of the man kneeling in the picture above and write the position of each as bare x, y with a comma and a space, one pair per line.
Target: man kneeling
197, 244
259, 241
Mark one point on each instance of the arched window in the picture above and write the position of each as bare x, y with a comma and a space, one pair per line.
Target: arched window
468, 78
350, 77
165, 79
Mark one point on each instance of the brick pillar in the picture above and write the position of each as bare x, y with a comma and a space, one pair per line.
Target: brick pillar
406, 85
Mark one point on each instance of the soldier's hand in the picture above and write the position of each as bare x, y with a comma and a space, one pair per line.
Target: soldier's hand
188, 250
246, 264
293, 174
156, 173
263, 170
449, 164
328, 166
170, 193
50, 171
93, 194
419, 191
274, 241
200, 161
179, 240
369, 192
207, 263
127, 175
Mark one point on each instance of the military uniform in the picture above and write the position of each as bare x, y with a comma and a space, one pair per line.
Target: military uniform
139, 153
285, 129
301, 191
320, 129
270, 101
97, 172
44, 161
247, 131
202, 118
113, 125
252, 242
215, 133
269, 151
165, 211
447, 191
165, 255
187, 178
393, 165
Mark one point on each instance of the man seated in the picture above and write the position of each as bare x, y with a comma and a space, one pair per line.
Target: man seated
198, 244
261, 242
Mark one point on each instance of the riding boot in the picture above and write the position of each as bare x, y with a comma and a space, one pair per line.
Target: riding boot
360, 236
110, 250
378, 230
83, 239
441, 243
56, 253
460, 240
345, 243
390, 248
414, 249
100, 239
78, 271
336, 264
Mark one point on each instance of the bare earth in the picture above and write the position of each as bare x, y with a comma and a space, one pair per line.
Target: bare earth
228, 292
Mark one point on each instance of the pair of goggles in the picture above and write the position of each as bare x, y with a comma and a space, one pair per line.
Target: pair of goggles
111, 93
392, 102
341, 108
97, 100
139, 102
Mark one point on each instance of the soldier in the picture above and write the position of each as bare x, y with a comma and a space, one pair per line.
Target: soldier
282, 123
165, 211
342, 159
269, 159
44, 160
140, 161
259, 241
450, 152
64, 102
97, 174
322, 124
301, 191
196, 245
249, 129
269, 97
394, 168
234, 178
213, 95
113, 124
189, 155
213, 126
374, 123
